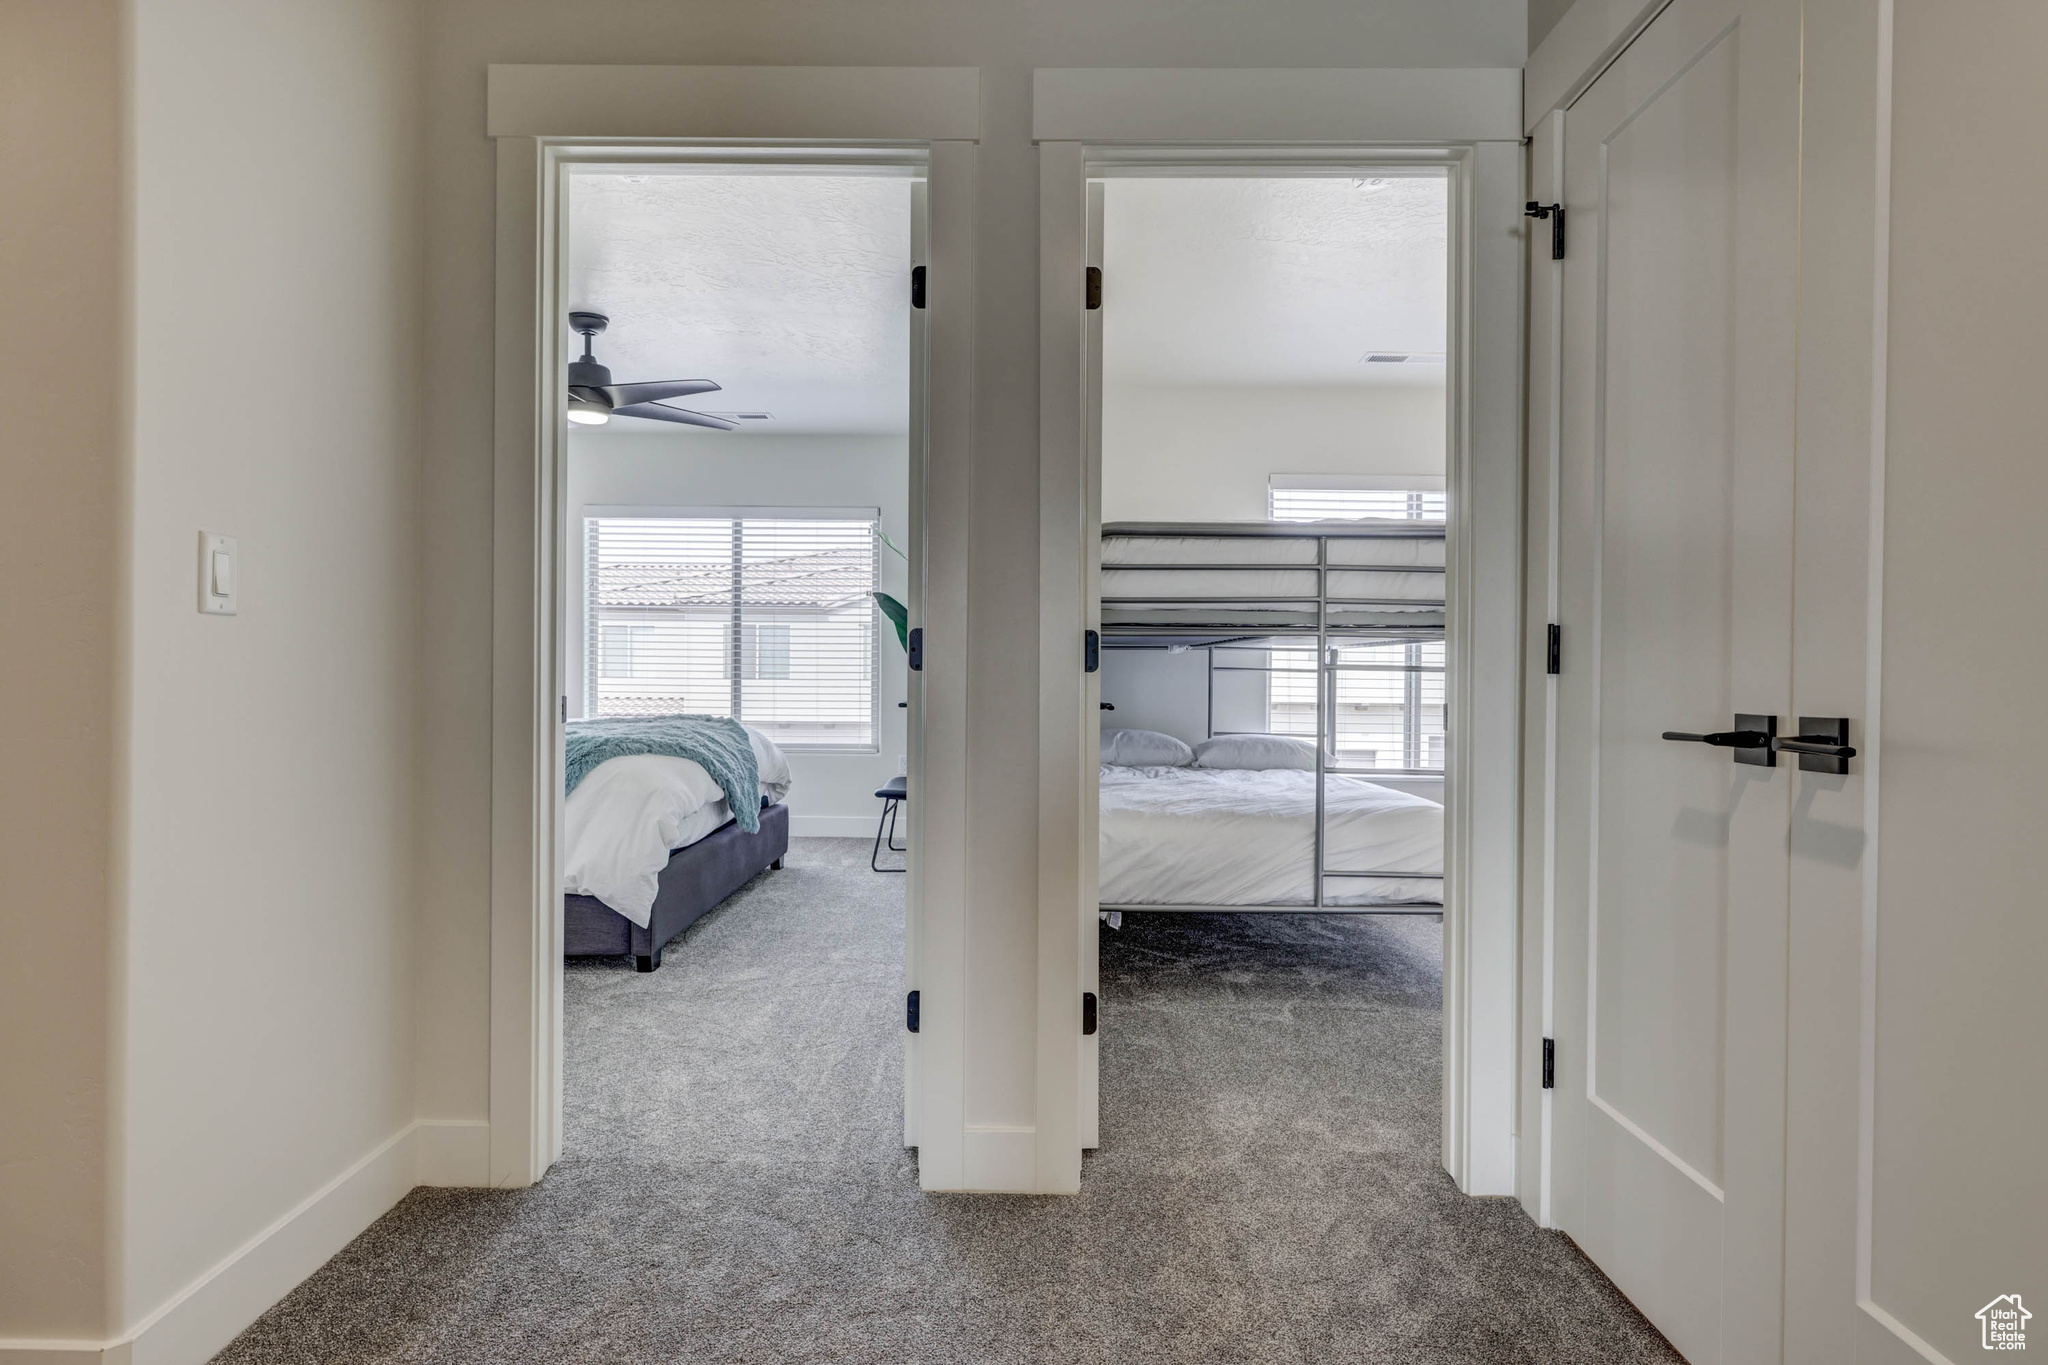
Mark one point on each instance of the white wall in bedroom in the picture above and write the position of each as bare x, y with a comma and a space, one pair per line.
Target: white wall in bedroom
1204, 454
834, 793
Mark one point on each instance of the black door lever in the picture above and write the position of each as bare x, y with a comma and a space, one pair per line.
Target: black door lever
1727, 739
1822, 745
1753, 739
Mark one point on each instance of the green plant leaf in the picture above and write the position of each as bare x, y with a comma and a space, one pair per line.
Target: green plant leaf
897, 613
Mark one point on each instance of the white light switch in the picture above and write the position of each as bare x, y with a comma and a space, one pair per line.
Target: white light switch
217, 596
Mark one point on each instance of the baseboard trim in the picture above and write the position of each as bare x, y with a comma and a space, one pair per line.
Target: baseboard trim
839, 826
193, 1325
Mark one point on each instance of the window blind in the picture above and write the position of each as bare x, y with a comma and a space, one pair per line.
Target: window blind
1322, 504
1387, 710
767, 620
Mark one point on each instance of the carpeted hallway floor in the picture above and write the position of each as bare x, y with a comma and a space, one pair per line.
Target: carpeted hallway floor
734, 1186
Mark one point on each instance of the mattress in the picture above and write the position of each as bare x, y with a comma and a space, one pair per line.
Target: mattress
1201, 836
1406, 551
1425, 590
1393, 581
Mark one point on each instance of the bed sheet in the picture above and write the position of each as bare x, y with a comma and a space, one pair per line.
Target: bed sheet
1198, 836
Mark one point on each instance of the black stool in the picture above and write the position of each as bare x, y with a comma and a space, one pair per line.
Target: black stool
894, 794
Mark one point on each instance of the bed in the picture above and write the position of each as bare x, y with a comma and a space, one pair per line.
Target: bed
1178, 836
1310, 830
1298, 576
651, 846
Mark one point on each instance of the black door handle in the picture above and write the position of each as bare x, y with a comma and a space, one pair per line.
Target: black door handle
1727, 739
1750, 739
1822, 745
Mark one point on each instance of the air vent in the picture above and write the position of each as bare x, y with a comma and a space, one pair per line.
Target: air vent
1386, 359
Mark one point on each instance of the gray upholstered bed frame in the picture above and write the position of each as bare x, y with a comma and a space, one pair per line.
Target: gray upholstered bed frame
693, 884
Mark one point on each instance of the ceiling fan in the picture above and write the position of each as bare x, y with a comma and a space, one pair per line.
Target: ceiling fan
594, 399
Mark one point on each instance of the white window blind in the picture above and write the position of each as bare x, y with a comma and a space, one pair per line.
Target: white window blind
1387, 710
769, 620
1325, 504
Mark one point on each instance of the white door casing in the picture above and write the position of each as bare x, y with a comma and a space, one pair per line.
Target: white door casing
547, 119
1481, 1082
1679, 293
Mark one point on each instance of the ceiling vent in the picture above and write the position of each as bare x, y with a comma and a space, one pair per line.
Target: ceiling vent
1385, 359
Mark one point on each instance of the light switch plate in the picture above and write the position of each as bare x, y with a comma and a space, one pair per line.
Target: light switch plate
219, 603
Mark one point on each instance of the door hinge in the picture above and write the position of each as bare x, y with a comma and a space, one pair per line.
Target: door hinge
1094, 287
1549, 1064
1553, 651
913, 645
1091, 651
1555, 213
917, 286
1088, 1012
565, 710
910, 1012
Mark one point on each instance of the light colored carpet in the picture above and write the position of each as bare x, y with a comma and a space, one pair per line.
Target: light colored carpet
734, 1186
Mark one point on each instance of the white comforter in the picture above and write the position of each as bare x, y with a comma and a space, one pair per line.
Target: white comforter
1203, 836
629, 814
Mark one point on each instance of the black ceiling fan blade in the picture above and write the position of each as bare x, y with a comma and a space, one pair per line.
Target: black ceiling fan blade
624, 395
661, 412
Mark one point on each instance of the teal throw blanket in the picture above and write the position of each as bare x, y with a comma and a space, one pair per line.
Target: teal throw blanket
718, 745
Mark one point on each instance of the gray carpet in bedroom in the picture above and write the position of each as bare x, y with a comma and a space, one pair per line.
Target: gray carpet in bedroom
734, 1186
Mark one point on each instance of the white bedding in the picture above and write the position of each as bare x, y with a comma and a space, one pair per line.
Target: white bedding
625, 818
1196, 836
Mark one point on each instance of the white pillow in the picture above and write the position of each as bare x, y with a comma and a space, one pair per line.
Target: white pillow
1144, 749
1256, 751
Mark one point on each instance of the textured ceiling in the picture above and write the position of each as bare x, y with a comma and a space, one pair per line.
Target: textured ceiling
1225, 281
791, 291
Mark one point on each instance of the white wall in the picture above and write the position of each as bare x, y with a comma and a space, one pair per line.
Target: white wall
62, 160
1006, 40
834, 793
1203, 454
222, 252
1155, 690
270, 789
240, 957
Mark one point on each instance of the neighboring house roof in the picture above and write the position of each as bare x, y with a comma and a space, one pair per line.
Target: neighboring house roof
814, 580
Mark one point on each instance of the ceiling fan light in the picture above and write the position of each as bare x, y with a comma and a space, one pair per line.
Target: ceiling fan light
586, 413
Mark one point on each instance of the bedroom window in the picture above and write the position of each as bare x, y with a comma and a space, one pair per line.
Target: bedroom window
769, 619
1388, 706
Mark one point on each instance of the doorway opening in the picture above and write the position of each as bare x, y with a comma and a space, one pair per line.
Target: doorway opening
740, 551
1273, 372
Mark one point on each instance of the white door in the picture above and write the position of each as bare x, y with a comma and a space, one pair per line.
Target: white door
1917, 1115
1675, 542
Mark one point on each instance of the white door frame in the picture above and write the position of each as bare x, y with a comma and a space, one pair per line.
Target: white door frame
547, 119
1469, 123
